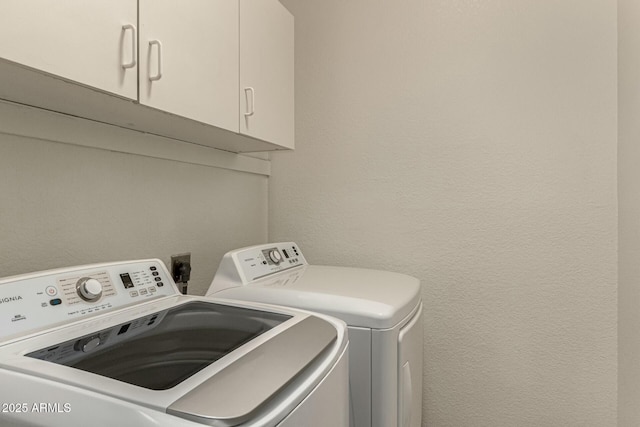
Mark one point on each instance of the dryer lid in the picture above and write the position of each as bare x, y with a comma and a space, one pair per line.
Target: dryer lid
361, 297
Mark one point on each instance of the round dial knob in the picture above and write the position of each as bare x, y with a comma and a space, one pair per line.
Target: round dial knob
275, 256
89, 289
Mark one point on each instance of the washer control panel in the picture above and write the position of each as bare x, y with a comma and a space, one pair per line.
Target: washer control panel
260, 261
36, 301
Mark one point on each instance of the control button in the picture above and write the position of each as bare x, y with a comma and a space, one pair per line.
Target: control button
157, 279
89, 289
143, 291
152, 290
51, 290
133, 293
155, 273
55, 301
159, 284
153, 268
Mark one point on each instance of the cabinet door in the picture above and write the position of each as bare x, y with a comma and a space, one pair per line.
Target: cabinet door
189, 59
89, 42
266, 72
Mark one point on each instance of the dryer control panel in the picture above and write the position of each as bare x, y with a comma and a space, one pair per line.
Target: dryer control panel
263, 260
31, 302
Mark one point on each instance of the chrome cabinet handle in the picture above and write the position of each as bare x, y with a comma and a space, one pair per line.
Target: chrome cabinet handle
158, 76
134, 42
250, 112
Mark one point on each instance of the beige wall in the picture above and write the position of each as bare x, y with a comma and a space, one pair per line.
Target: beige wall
65, 205
471, 144
629, 213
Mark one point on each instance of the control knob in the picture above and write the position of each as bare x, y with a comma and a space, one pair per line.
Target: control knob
275, 256
89, 289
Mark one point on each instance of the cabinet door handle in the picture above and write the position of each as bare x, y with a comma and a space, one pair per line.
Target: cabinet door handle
250, 112
158, 75
134, 42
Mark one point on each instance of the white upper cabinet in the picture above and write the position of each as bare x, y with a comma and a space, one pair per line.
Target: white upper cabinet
267, 72
211, 72
89, 42
189, 59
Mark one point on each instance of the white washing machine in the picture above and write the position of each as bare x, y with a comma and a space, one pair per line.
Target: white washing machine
383, 311
117, 344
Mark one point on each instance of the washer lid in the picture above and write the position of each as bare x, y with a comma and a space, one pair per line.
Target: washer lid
361, 297
233, 396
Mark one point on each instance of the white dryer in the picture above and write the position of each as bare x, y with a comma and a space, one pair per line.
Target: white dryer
117, 344
383, 311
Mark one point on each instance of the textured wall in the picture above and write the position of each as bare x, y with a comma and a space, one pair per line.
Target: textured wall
471, 144
629, 213
65, 205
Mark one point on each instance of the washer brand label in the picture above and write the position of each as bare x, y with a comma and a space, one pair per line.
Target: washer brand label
4, 300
